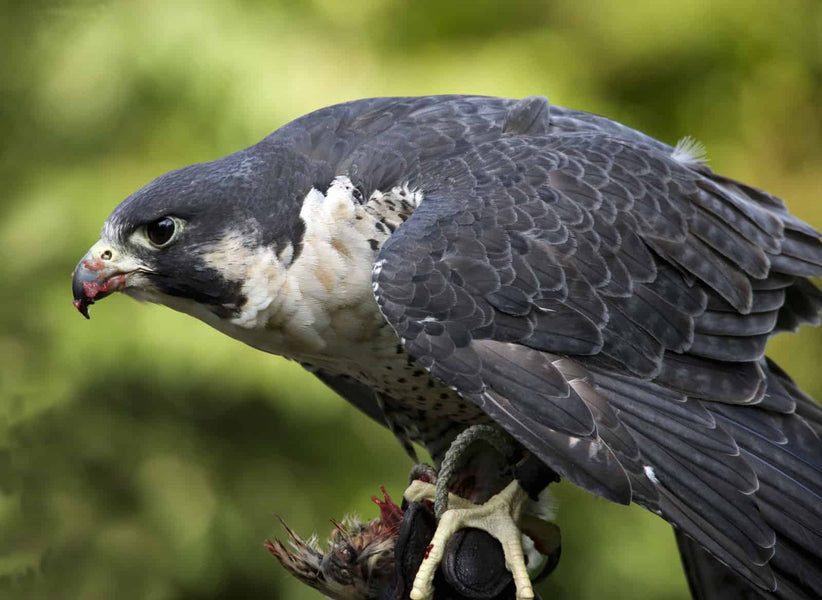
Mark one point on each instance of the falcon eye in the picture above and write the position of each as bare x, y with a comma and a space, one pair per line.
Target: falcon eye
161, 231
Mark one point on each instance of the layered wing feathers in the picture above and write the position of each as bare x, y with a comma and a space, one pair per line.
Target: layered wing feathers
609, 304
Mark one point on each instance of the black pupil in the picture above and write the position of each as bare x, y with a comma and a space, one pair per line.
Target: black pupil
160, 231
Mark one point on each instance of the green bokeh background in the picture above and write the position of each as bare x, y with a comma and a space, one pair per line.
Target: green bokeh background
143, 455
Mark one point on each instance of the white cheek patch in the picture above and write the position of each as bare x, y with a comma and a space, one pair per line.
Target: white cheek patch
231, 256
257, 268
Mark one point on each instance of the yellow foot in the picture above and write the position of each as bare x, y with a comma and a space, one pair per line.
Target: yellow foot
500, 517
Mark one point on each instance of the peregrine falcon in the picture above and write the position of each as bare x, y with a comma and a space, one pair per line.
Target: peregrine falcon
445, 262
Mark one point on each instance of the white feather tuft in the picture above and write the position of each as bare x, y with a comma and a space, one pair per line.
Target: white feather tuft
545, 507
649, 473
689, 150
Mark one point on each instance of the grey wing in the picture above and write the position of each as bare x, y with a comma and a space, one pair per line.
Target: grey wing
609, 305
709, 579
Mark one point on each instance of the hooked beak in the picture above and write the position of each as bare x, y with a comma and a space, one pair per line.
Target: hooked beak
99, 273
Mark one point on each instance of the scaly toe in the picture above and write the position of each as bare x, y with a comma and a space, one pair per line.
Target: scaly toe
499, 517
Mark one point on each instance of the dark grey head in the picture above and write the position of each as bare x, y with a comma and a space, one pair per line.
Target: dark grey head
188, 235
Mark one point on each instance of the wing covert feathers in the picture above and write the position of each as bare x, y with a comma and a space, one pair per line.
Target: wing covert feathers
608, 304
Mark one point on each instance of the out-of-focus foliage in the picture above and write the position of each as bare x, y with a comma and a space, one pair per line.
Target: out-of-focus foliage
141, 454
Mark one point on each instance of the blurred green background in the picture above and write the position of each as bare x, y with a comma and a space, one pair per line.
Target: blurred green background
143, 455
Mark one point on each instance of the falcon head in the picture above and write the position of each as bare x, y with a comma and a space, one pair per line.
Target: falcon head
189, 238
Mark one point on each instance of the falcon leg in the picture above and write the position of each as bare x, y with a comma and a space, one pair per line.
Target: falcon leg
500, 516
456, 453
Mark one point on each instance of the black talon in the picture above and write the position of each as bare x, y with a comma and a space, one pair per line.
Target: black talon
417, 529
551, 563
474, 566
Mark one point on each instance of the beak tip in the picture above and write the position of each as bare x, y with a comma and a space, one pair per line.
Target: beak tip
82, 305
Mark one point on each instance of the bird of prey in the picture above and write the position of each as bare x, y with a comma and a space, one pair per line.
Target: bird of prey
448, 262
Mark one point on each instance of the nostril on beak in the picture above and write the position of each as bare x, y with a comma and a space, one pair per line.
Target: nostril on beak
106, 255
